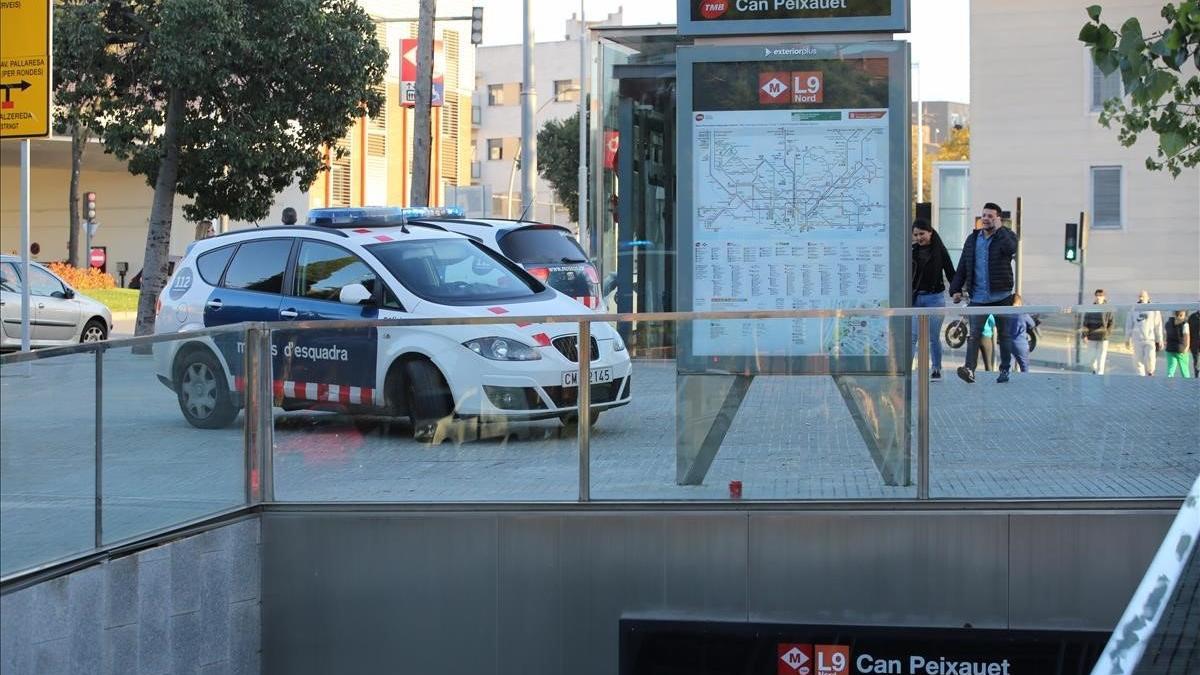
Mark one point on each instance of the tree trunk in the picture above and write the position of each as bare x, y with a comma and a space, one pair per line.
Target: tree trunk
78, 143
158, 237
422, 119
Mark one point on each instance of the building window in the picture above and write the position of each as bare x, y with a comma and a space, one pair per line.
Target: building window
1107, 209
495, 148
496, 95
566, 91
1104, 87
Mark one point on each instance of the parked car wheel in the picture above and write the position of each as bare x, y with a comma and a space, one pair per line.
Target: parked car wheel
94, 331
203, 391
429, 402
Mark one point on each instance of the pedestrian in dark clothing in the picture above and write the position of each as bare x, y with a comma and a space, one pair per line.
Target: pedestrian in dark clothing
985, 273
1023, 326
1194, 330
1177, 337
1097, 326
931, 265
289, 216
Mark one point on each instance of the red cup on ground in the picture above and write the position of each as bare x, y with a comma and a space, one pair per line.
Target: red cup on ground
735, 489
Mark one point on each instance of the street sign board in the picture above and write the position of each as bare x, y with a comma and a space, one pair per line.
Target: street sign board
758, 17
408, 73
25, 68
98, 257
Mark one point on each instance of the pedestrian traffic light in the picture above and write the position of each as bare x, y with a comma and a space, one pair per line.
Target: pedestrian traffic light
476, 25
89, 206
1071, 243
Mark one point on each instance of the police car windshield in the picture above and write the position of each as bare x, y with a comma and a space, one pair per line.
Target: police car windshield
453, 271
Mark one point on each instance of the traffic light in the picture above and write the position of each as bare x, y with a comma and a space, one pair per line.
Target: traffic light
89, 207
1071, 243
476, 25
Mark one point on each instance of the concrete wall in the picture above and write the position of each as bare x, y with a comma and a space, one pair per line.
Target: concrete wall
1033, 136
190, 606
542, 592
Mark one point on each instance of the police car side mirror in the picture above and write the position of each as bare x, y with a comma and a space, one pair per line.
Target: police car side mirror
355, 294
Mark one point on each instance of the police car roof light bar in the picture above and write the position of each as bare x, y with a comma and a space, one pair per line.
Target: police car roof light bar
378, 216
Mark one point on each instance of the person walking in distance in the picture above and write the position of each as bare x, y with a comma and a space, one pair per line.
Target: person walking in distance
1178, 337
1023, 326
204, 230
985, 272
1144, 332
1194, 330
931, 267
289, 216
1097, 326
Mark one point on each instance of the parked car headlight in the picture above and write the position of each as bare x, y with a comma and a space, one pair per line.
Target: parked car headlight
502, 349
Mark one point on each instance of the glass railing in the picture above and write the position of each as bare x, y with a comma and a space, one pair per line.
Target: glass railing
804, 406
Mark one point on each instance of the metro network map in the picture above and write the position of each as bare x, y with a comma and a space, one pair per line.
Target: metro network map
790, 212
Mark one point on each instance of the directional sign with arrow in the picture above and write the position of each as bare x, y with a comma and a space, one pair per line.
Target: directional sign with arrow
408, 73
25, 69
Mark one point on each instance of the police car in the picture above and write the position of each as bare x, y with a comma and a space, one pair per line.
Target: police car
548, 252
377, 263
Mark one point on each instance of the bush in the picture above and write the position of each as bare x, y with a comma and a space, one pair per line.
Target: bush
81, 278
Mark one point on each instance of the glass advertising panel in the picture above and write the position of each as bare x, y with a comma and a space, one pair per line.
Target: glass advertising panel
753, 17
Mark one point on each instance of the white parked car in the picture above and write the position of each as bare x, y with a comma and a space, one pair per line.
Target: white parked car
59, 315
374, 264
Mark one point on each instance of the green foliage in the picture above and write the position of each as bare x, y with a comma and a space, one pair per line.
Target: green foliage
265, 85
957, 147
1161, 98
558, 160
81, 65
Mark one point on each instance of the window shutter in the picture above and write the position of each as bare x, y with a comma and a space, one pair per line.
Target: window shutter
1106, 197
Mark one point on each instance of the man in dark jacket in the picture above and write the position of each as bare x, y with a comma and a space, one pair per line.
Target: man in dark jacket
1097, 326
985, 273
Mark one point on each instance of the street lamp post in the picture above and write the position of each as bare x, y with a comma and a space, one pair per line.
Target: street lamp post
512, 171
581, 210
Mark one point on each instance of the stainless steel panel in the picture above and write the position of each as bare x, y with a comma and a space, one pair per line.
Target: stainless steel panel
530, 591
370, 593
1078, 571
895, 569
705, 566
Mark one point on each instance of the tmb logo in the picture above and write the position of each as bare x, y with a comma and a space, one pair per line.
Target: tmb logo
711, 9
773, 87
794, 659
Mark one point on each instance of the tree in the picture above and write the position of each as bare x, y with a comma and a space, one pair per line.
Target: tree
1159, 98
558, 160
230, 101
957, 148
81, 63
422, 113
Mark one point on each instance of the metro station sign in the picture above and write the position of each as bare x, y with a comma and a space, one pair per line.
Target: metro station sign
758, 17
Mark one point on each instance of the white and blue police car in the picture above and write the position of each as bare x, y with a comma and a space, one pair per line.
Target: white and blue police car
376, 263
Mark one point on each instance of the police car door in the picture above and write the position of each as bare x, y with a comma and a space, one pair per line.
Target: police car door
334, 366
250, 290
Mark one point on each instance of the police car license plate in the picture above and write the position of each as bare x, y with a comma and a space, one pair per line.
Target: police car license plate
595, 376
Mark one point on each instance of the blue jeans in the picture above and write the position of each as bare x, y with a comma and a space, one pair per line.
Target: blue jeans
935, 327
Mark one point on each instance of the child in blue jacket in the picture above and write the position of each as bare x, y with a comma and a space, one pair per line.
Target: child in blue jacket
1022, 327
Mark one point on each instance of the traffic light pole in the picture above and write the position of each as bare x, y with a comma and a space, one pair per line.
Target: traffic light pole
1083, 237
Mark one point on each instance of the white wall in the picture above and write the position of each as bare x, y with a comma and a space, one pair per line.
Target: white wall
1032, 136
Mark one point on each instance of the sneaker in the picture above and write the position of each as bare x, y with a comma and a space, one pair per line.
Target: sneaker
966, 374
935, 375
1003, 377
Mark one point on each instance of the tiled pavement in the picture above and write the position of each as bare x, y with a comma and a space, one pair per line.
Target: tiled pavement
1043, 435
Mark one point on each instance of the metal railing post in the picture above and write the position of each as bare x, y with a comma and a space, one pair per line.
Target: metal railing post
923, 406
584, 401
259, 424
99, 461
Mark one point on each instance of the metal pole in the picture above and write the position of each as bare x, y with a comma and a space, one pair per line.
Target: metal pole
920, 138
99, 461
528, 101
585, 409
259, 423
581, 208
1083, 228
1020, 277
923, 406
24, 199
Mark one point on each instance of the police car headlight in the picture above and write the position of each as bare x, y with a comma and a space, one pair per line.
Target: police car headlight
502, 349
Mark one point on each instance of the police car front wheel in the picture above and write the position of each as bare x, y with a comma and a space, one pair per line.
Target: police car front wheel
429, 403
203, 392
